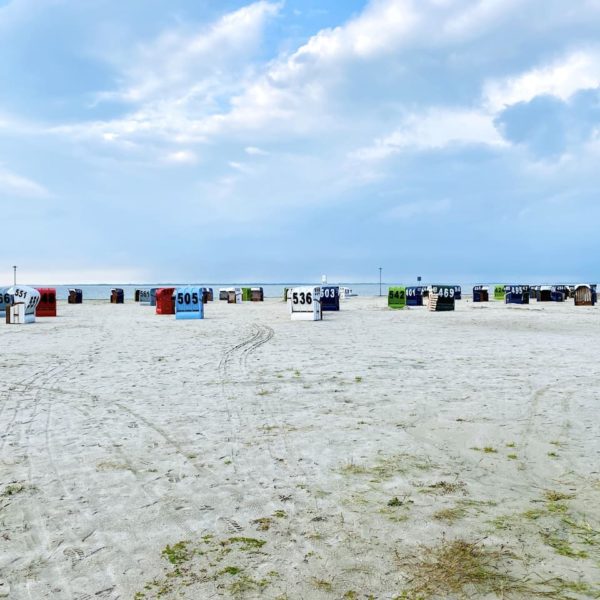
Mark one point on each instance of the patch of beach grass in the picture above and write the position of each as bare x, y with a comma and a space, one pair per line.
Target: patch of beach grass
352, 468
503, 522
394, 515
395, 501
263, 524
230, 571
322, 584
12, 489
387, 467
178, 553
201, 561
562, 546
534, 514
450, 515
244, 584
444, 488
555, 496
246, 544
452, 567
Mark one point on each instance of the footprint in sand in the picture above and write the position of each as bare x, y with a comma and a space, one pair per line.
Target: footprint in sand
74, 554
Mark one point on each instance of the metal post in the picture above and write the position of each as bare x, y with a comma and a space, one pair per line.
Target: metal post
380, 281
14, 274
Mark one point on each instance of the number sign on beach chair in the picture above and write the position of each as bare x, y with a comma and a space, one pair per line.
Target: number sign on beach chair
330, 297
441, 298
499, 292
144, 297
397, 297
189, 303
5, 299
414, 295
305, 304
516, 294
24, 301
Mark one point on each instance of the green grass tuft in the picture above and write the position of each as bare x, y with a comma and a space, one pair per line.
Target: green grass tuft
178, 553
247, 543
230, 571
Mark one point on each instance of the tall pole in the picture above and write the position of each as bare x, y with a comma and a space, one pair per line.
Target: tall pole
380, 281
14, 274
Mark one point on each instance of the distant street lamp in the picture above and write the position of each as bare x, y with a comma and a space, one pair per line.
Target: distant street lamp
14, 274
380, 281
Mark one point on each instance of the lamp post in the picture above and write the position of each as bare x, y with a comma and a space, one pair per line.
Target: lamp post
14, 274
380, 281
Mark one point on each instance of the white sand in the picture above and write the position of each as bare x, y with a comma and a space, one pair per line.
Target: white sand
122, 432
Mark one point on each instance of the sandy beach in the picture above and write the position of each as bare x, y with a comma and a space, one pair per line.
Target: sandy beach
254, 457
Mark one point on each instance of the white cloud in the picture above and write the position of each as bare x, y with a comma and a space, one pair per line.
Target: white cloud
195, 68
474, 17
182, 157
13, 185
241, 167
294, 90
576, 71
380, 29
254, 151
434, 129
203, 85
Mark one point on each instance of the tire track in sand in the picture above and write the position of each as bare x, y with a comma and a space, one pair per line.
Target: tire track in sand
232, 370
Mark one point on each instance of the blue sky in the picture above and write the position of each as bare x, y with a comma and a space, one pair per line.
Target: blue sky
155, 140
